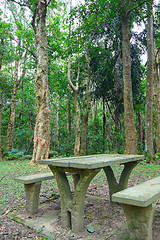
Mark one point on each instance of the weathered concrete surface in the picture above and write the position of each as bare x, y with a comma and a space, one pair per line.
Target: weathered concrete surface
72, 204
43, 223
32, 196
139, 221
92, 161
141, 195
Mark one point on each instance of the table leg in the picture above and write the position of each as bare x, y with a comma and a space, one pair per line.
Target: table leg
123, 182
72, 205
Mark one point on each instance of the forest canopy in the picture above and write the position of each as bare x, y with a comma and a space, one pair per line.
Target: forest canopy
79, 78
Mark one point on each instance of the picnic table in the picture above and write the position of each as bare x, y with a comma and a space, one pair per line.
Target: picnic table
85, 169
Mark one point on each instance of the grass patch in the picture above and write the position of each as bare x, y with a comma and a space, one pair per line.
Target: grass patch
10, 190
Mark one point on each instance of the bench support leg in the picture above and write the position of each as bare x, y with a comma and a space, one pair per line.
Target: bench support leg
123, 182
32, 196
72, 205
139, 221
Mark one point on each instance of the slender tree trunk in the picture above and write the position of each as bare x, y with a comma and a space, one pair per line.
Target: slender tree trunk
69, 121
130, 130
77, 139
149, 87
116, 119
1, 55
86, 113
17, 81
9, 139
1, 154
104, 126
57, 123
157, 105
95, 118
77, 109
84, 134
42, 126
140, 127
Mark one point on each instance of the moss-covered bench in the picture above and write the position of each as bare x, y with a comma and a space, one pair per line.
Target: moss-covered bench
139, 203
32, 185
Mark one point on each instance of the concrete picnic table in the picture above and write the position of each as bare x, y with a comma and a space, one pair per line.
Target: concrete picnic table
84, 169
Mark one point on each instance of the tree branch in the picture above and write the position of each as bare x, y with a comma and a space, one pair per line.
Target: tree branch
33, 22
20, 4
110, 111
69, 76
135, 7
158, 49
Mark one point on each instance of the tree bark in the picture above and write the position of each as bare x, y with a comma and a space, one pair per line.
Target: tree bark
104, 125
95, 118
130, 130
87, 105
77, 109
157, 105
1, 154
140, 127
17, 81
1, 55
57, 123
77, 139
149, 87
69, 120
42, 126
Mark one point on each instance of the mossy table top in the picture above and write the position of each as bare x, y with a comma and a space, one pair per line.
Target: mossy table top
92, 161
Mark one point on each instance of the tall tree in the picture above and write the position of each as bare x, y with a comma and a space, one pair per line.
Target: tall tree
1, 54
87, 106
5, 52
42, 126
17, 81
157, 101
130, 131
157, 78
77, 109
149, 88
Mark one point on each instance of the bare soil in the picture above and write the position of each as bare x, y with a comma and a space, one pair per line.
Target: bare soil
107, 220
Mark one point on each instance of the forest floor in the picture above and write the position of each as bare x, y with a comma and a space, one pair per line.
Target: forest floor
107, 220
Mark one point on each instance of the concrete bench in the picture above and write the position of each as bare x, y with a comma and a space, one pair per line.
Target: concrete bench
32, 185
139, 204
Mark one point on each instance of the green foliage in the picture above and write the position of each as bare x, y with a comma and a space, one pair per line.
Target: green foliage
93, 28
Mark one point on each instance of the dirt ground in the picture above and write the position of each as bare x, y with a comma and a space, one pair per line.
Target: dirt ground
106, 219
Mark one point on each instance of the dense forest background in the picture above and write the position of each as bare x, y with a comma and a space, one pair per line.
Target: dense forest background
72, 79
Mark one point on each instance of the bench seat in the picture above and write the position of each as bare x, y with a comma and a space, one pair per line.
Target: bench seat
32, 185
35, 178
138, 203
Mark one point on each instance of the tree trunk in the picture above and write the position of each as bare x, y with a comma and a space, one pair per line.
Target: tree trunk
117, 118
42, 126
57, 123
87, 105
130, 131
157, 105
17, 81
77, 109
84, 134
104, 126
140, 127
77, 139
69, 121
95, 118
149, 87
1, 55
1, 154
